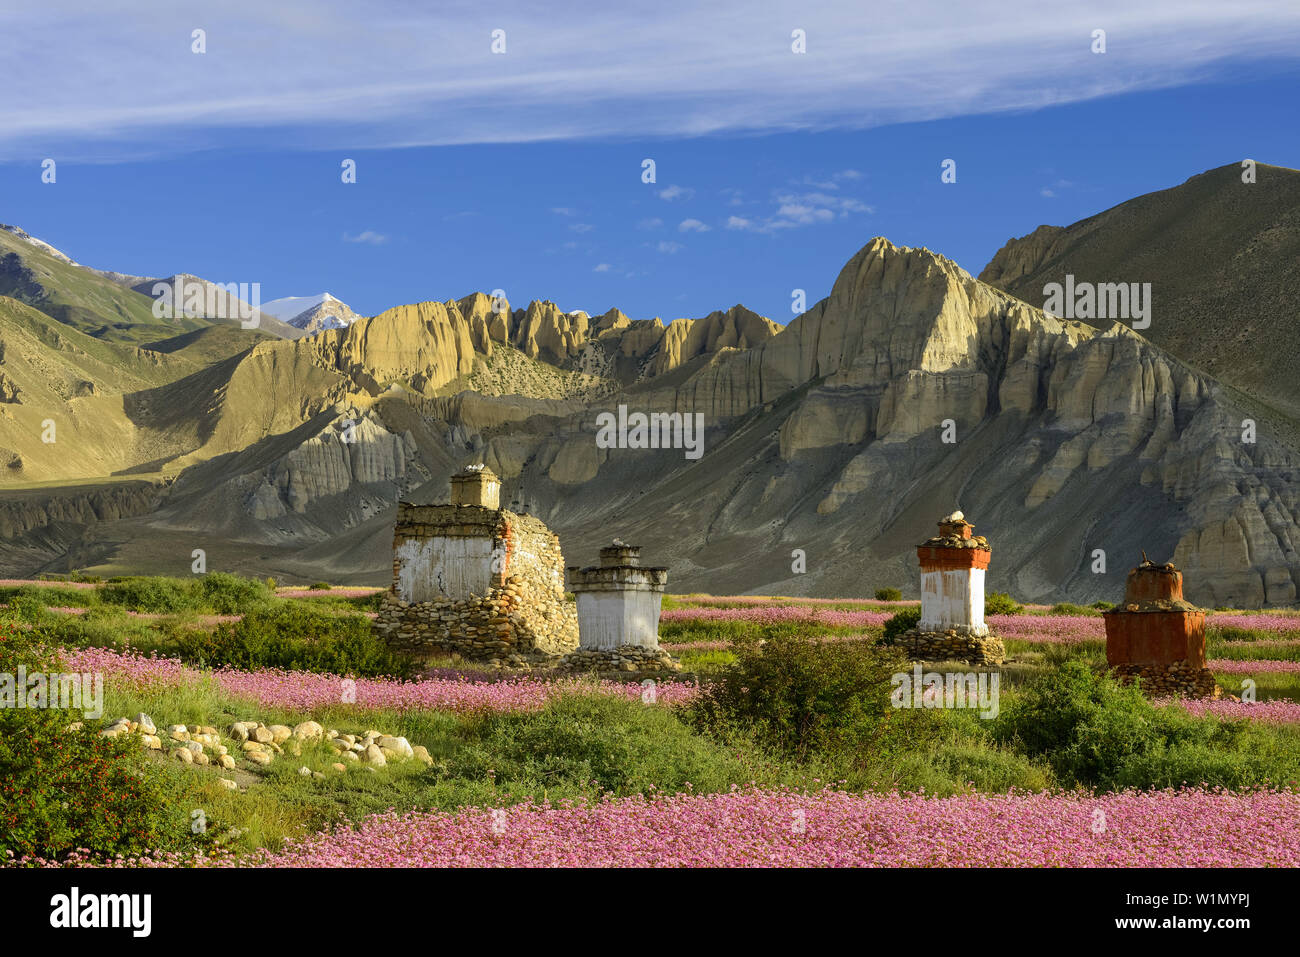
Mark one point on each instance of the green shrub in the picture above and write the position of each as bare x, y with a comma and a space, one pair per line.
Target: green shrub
1103, 605
153, 594
295, 636
61, 790
1097, 733
888, 594
26, 606
953, 767
1194, 765
1000, 603
590, 744
1069, 608
1083, 724
801, 697
901, 621
319, 586
225, 594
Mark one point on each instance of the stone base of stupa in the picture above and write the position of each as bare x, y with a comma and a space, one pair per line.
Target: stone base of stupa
1177, 678
951, 646
625, 663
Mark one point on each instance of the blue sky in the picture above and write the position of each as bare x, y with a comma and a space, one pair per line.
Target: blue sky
522, 170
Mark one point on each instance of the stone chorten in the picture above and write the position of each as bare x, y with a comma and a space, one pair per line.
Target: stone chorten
952, 578
618, 615
476, 579
952, 624
1157, 636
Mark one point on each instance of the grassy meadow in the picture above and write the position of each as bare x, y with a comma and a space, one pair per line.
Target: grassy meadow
781, 699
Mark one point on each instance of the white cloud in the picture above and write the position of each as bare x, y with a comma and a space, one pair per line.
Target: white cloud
602, 267
691, 70
794, 209
653, 222
1050, 191
692, 226
676, 192
369, 237
668, 246
564, 211
581, 227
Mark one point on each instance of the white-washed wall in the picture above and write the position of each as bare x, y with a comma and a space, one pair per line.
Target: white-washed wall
953, 599
610, 619
443, 568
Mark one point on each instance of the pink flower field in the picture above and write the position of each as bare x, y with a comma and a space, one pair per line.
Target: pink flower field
305, 690
756, 828
1275, 711
1190, 828
779, 614
1230, 666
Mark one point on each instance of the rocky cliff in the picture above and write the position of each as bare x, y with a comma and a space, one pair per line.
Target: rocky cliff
912, 389
1222, 255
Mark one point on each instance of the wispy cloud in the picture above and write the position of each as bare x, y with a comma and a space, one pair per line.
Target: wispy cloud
692, 226
653, 222
668, 246
564, 211
674, 191
581, 227
369, 237
691, 70
602, 267
795, 209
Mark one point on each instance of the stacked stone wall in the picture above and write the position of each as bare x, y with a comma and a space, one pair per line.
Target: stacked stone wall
520, 617
951, 646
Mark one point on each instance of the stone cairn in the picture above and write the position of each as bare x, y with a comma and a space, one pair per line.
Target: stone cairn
618, 617
1158, 637
474, 579
952, 624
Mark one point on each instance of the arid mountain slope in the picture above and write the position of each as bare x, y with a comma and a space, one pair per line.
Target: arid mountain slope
910, 390
1223, 260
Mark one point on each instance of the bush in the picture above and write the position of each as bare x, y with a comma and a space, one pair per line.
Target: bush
1069, 608
154, 595
319, 586
1000, 603
295, 636
61, 790
803, 697
225, 594
888, 594
589, 744
901, 621
1103, 605
1084, 724
1097, 733
27, 607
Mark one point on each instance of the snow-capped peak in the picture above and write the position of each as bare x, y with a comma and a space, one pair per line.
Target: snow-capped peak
313, 313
